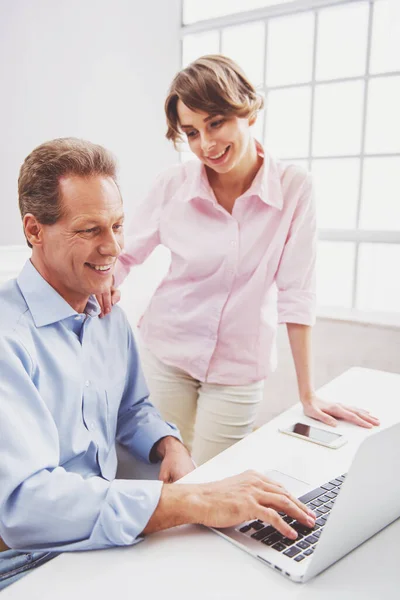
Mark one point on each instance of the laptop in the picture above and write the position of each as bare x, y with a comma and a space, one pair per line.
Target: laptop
349, 511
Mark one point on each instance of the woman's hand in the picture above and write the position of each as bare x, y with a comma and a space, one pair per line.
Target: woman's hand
328, 413
176, 460
107, 300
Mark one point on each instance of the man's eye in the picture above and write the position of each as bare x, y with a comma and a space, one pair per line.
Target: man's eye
118, 227
91, 230
216, 124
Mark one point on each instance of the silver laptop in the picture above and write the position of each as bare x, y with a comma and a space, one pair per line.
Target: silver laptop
347, 504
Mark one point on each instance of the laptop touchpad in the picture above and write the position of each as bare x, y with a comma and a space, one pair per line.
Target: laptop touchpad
294, 486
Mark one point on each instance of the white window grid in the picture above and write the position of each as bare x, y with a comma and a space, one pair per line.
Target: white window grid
356, 235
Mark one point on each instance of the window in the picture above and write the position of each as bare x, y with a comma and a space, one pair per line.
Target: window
330, 73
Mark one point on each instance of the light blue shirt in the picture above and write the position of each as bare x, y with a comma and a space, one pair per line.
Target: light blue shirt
70, 386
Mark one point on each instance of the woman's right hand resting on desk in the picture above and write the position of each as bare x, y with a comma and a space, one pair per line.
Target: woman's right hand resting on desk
227, 503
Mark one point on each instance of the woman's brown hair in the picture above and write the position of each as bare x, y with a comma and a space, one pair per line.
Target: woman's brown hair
213, 84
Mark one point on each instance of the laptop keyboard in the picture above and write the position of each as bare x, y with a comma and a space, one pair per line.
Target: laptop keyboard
321, 501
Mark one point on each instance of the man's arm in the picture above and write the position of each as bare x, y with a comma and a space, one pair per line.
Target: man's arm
228, 502
43, 506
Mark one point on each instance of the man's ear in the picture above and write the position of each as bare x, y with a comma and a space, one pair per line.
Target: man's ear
33, 230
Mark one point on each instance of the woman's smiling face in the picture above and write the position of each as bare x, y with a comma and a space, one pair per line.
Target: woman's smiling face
221, 142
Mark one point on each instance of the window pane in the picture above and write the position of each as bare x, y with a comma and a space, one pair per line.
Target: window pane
297, 33
383, 117
199, 44
288, 122
385, 49
378, 277
338, 118
336, 186
245, 44
342, 41
194, 10
335, 262
380, 208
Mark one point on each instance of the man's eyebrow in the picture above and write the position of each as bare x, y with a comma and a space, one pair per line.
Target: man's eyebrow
205, 121
89, 223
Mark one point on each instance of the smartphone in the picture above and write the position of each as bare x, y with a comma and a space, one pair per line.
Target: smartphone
316, 435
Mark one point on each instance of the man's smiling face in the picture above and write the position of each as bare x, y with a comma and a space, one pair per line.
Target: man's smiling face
77, 254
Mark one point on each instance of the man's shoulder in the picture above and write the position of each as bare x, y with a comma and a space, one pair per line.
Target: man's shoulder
116, 323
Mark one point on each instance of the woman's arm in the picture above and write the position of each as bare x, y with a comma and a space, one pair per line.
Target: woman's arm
300, 338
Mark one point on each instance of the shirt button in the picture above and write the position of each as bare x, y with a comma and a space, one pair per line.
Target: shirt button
233, 244
93, 425
87, 383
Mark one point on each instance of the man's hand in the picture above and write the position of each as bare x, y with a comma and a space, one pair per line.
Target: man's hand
107, 300
323, 411
229, 502
176, 460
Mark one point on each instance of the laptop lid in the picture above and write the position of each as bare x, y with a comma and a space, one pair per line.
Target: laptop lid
369, 500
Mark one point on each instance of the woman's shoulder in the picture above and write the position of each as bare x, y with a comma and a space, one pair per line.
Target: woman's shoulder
293, 172
179, 172
175, 176
294, 178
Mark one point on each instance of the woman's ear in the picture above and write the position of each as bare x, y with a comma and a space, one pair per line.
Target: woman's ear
252, 119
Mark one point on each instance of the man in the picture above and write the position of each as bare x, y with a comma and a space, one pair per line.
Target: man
71, 386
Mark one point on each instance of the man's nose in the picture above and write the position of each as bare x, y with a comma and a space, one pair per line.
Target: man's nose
111, 245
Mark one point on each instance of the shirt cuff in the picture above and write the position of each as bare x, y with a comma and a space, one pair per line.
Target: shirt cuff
145, 438
296, 306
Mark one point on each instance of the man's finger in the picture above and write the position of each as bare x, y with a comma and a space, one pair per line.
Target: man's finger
270, 516
289, 506
274, 489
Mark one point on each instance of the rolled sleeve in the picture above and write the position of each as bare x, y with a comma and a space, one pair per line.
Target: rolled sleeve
296, 273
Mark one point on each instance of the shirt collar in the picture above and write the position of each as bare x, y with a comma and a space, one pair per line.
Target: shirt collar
266, 184
45, 304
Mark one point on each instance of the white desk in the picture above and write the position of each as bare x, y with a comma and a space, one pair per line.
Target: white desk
193, 563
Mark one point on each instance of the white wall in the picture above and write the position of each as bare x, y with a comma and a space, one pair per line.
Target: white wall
95, 69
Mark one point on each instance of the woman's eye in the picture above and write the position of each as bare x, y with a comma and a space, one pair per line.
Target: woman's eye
118, 227
216, 124
191, 134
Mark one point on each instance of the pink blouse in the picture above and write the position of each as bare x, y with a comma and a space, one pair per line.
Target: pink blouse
232, 278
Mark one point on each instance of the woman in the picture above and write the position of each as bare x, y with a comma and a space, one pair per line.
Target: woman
241, 230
